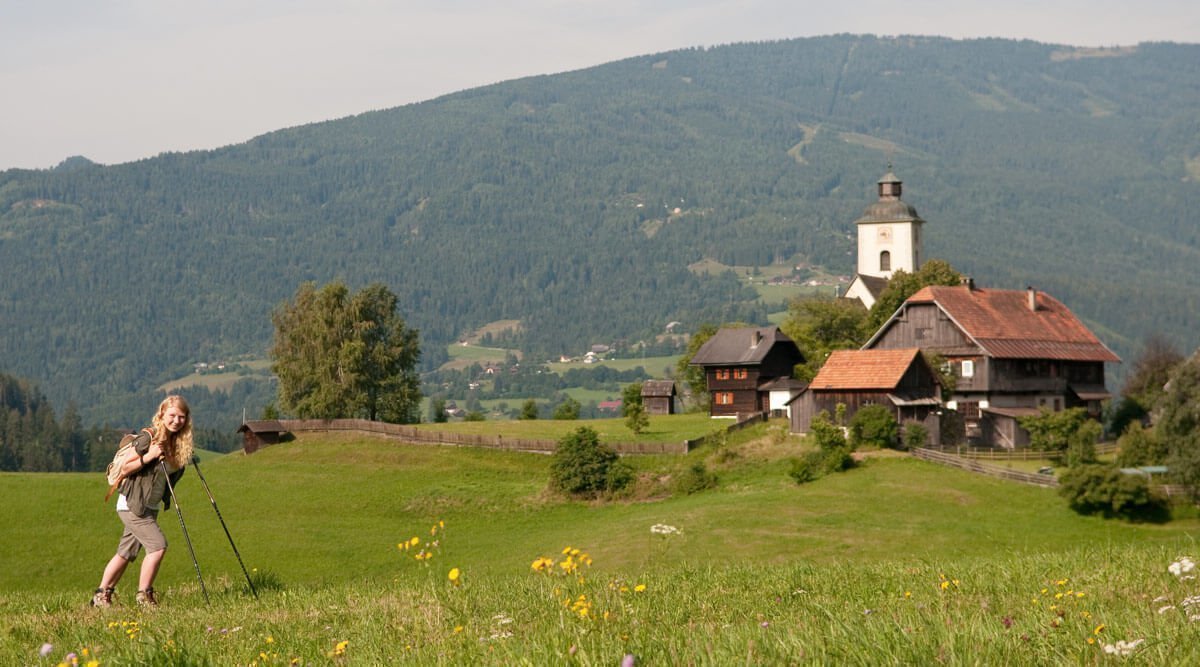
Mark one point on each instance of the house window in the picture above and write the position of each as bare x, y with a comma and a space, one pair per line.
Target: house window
968, 369
885, 261
740, 374
968, 409
722, 373
724, 398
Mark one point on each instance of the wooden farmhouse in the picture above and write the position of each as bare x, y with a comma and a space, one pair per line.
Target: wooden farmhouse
1012, 352
739, 364
899, 380
658, 397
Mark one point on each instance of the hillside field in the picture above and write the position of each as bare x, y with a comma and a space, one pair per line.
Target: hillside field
896, 561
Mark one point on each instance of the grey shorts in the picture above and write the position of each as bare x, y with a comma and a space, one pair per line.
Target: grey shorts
140, 532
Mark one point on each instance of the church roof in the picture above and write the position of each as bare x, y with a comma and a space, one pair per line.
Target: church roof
874, 284
1005, 326
889, 210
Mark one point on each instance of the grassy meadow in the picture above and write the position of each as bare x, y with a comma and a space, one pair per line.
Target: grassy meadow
897, 561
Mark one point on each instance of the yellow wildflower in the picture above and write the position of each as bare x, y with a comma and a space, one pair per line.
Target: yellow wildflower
414, 541
454, 573
1099, 629
639, 588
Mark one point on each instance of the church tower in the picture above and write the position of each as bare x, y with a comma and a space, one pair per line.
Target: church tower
889, 240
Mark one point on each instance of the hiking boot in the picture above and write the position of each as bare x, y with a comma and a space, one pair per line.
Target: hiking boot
103, 597
146, 598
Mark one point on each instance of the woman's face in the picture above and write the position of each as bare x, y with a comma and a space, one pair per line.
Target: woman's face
174, 418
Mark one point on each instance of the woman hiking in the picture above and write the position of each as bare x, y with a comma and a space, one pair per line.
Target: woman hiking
167, 443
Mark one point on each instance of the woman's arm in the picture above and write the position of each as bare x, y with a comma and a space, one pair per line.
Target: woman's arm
135, 461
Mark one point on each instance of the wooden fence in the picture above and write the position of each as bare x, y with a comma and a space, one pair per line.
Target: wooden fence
1023, 454
946, 458
415, 435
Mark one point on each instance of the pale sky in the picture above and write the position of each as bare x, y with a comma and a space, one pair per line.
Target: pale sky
121, 80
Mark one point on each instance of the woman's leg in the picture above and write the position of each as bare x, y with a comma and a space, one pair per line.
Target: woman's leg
113, 571
150, 565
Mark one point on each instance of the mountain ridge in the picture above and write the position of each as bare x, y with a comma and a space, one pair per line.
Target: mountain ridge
519, 200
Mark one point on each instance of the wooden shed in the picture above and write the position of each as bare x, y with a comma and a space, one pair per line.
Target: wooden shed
260, 433
897, 379
658, 397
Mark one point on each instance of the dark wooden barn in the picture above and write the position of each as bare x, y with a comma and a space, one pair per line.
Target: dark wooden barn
256, 434
900, 380
658, 397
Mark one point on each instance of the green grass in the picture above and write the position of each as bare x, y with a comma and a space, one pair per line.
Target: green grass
655, 366
662, 428
462, 356
845, 570
219, 381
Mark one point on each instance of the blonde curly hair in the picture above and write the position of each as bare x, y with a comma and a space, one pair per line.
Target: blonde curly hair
177, 447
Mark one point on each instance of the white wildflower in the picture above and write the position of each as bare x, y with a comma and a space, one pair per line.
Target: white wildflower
664, 529
1163, 610
1190, 602
1181, 566
1123, 647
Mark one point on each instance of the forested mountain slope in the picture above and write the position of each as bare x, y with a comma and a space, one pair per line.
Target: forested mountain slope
553, 200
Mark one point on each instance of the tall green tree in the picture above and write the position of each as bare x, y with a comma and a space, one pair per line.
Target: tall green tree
820, 326
1178, 425
631, 394
692, 377
1146, 383
339, 354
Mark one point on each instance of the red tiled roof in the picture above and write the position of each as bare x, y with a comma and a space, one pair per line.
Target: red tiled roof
864, 369
1003, 324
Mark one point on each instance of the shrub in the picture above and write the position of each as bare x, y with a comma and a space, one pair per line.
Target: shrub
567, 410
825, 434
582, 466
818, 463
915, 435
529, 410
693, 479
636, 419
808, 468
1098, 488
837, 459
1140, 446
874, 426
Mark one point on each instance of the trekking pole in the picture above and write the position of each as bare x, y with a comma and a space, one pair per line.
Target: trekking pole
196, 463
179, 511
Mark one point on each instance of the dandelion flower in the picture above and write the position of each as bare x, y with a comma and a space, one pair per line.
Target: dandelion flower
639, 588
414, 541
453, 576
